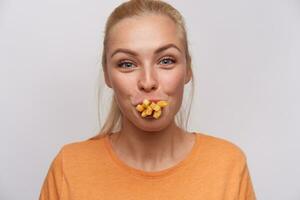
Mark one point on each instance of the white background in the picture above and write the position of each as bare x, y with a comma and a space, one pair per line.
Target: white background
246, 58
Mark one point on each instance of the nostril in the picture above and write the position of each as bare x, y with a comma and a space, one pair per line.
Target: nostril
148, 85
148, 79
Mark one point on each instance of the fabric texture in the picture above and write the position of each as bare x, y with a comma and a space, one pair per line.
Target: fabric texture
215, 169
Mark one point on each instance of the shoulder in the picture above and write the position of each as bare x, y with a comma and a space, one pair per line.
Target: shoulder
81, 150
220, 148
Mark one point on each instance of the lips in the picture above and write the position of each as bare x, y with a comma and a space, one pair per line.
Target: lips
140, 101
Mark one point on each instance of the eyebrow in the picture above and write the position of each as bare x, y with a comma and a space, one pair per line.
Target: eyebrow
157, 51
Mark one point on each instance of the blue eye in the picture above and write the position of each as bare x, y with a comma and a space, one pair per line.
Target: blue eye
125, 64
167, 61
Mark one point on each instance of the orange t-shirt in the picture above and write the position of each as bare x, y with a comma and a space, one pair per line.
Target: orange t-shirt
214, 169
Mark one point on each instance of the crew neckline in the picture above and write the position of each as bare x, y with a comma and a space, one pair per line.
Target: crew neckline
155, 174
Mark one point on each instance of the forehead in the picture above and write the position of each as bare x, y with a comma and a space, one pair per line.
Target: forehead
142, 33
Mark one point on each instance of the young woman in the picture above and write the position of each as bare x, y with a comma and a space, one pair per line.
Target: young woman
146, 62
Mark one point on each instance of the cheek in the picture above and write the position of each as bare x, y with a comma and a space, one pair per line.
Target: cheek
173, 81
123, 85
173, 85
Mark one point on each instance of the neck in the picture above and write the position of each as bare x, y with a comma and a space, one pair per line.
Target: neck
151, 150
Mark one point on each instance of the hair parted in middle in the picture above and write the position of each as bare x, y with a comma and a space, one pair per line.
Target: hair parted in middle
141, 8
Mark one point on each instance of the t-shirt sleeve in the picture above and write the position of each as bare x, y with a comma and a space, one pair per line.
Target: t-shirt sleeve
246, 191
53, 183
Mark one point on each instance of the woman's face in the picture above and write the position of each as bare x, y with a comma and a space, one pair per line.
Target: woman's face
146, 60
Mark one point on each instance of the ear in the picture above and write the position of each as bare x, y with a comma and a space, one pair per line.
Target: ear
106, 77
188, 75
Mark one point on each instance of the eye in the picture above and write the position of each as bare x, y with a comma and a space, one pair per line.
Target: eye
125, 64
167, 61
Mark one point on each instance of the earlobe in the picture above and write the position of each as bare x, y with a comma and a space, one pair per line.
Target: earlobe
188, 76
107, 80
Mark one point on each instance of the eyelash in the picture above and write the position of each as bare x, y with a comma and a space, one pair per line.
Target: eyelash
121, 64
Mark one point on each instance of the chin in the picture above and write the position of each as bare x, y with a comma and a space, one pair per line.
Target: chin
152, 125
151, 129
149, 124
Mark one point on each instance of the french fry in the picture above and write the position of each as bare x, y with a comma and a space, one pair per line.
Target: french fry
144, 113
154, 106
146, 103
162, 104
140, 108
148, 108
157, 114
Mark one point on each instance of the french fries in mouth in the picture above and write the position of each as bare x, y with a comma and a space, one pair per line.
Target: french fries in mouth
153, 109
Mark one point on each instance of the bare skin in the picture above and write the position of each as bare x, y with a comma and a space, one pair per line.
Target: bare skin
148, 144
149, 153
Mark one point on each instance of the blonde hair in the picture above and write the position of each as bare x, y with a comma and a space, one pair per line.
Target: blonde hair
137, 8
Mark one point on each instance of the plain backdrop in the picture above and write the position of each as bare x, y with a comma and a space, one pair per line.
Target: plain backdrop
246, 60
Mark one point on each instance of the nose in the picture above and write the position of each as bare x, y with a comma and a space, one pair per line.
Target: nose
148, 80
